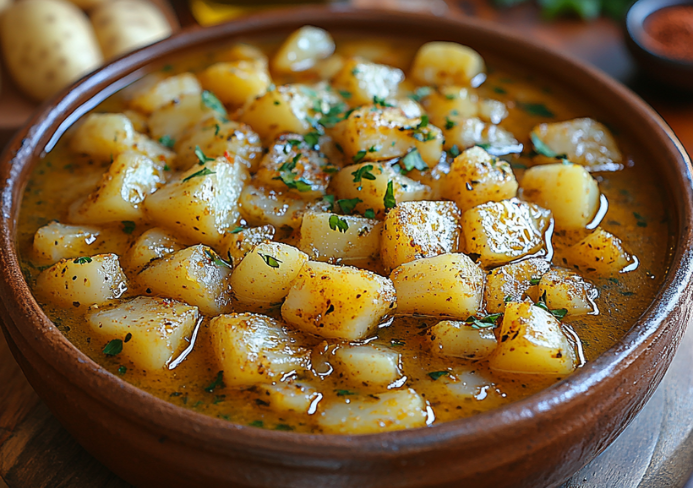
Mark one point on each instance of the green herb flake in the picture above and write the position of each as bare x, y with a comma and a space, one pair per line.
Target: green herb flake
541, 148
345, 392
270, 261
128, 226
369, 214
113, 348
389, 198
454, 151
311, 139
614, 280
217, 128
358, 157
238, 229
536, 109
640, 220
347, 205
167, 141
421, 93
82, 260
363, 173
202, 172
449, 124
216, 259
122, 370
218, 382
381, 101
559, 313
167, 167
285, 427
435, 375
176, 394
413, 160
534, 281
396, 342
257, 423
337, 223
345, 94
201, 157
424, 122
499, 90
487, 322
211, 101
330, 200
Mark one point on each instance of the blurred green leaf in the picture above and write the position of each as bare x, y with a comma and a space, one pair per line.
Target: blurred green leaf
585, 9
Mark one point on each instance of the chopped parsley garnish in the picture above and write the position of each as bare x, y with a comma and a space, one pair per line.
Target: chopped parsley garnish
424, 122
211, 101
413, 160
216, 259
292, 181
369, 214
345, 94
541, 148
201, 157
122, 370
257, 423
363, 173
454, 151
381, 101
396, 342
167, 141
237, 230
536, 109
218, 382
499, 90
437, 374
450, 96
113, 348
128, 226
534, 281
487, 322
202, 172
358, 157
82, 260
449, 124
312, 139
421, 93
559, 313
329, 199
337, 223
270, 261
345, 392
283, 427
217, 128
640, 220
128, 336
389, 198
347, 205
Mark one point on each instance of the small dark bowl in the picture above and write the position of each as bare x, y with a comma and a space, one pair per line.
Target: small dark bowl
669, 71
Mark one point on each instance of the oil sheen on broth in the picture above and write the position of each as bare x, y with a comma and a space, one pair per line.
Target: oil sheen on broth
393, 157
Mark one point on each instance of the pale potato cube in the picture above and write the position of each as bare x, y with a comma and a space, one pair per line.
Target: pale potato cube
366, 81
153, 244
291, 397
472, 384
512, 282
563, 289
237, 244
338, 302
415, 230
474, 132
243, 52
455, 104
260, 206
263, 278
369, 183
302, 49
282, 109
164, 92
56, 241
103, 136
462, 340
500, 232
476, 177
366, 365
375, 133
236, 82
83, 281
446, 63
582, 141
601, 252
203, 204
215, 139
449, 285
120, 192
568, 190
493, 111
138, 120
153, 330
195, 275
394, 410
532, 342
359, 243
253, 349
173, 118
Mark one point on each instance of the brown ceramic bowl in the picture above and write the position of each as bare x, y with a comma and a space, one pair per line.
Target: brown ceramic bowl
536, 442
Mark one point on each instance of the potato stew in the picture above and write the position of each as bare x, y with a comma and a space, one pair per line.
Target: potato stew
342, 239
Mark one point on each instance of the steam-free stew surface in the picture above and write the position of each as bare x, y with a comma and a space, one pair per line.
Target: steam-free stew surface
429, 384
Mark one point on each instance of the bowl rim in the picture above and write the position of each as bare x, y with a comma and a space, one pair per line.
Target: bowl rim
215, 433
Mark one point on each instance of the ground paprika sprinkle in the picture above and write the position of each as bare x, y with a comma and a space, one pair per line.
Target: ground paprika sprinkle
670, 32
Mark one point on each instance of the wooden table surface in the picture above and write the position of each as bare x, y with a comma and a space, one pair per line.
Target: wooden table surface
656, 451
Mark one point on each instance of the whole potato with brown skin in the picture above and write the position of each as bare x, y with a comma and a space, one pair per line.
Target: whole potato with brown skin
47, 44
125, 25
4, 4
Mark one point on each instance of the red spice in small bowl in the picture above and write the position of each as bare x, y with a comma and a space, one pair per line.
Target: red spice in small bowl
670, 32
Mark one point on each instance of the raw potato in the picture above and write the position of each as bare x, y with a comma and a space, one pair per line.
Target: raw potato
568, 190
415, 230
153, 244
601, 252
158, 92
263, 278
122, 26
156, 329
394, 410
338, 302
237, 82
532, 342
461, 340
194, 275
302, 49
564, 289
476, 177
253, 349
356, 245
83, 282
56, 241
500, 232
369, 366
513, 282
449, 285
446, 63
47, 45
260, 206
365, 81
236, 245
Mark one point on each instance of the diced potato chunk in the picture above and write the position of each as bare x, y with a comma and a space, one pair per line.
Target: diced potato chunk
255, 349
103, 136
568, 190
165, 91
157, 329
446, 63
83, 281
365, 81
283, 109
500, 232
455, 104
449, 285
243, 52
601, 252
369, 366
120, 193
415, 230
582, 141
374, 133
372, 186
194, 275
564, 289
203, 204
476, 177
394, 410
138, 120
237, 244
291, 397
474, 132
359, 243
153, 244
472, 384
462, 340
532, 342
263, 278
512, 282
236, 82
338, 302
302, 49
260, 206
216, 139
173, 118
56, 241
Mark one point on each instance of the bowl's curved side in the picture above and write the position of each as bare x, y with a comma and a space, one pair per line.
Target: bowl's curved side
538, 441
